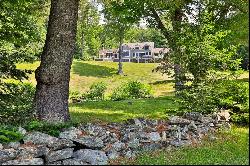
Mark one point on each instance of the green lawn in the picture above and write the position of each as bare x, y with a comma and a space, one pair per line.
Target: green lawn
230, 148
117, 111
85, 73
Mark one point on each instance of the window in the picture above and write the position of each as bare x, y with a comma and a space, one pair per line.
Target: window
149, 53
146, 47
146, 53
137, 48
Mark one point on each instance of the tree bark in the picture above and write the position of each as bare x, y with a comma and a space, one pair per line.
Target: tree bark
53, 74
176, 22
120, 71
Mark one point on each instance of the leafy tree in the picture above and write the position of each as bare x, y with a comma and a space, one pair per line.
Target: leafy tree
53, 74
21, 35
22, 32
136, 34
119, 19
89, 30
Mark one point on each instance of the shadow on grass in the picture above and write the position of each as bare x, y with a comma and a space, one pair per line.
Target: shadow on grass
116, 111
243, 80
162, 82
85, 69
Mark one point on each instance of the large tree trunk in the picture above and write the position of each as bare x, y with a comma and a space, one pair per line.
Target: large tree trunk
176, 20
120, 72
53, 74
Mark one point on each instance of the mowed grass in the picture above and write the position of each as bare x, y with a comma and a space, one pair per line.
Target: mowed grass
85, 73
118, 111
230, 148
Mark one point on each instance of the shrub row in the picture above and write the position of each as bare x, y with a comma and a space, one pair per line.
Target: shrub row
211, 97
129, 90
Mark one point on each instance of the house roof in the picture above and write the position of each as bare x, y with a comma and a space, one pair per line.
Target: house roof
140, 45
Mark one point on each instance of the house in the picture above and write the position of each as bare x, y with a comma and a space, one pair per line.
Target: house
133, 52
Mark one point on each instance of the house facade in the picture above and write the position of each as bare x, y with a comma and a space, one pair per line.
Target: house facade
133, 52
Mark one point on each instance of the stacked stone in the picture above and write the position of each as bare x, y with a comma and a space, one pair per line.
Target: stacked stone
95, 144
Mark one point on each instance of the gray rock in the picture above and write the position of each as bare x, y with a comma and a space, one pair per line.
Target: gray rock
224, 115
55, 163
22, 130
135, 121
154, 136
90, 142
113, 154
93, 157
178, 120
73, 162
32, 151
192, 126
59, 155
211, 125
13, 145
61, 144
195, 116
7, 154
40, 138
33, 161
71, 133
164, 136
129, 154
118, 146
207, 119
1, 146
151, 147
133, 144
91, 129
179, 143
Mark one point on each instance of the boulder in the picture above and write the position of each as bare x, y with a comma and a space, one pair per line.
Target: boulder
93, 157
118, 146
71, 133
13, 145
224, 115
192, 126
134, 144
32, 151
33, 161
40, 138
7, 154
154, 136
59, 155
73, 162
113, 154
90, 142
194, 116
22, 130
178, 120
61, 144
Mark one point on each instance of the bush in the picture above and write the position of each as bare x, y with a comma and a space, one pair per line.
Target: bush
131, 90
16, 103
222, 94
76, 97
9, 134
96, 91
51, 129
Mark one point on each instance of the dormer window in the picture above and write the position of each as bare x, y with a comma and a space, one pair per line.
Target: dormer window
146, 47
137, 48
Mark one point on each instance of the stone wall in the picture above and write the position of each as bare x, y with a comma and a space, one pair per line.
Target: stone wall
96, 144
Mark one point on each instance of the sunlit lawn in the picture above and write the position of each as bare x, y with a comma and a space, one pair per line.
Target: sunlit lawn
117, 111
84, 73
